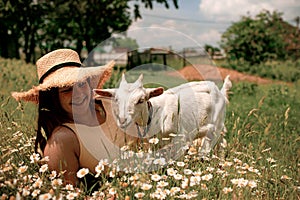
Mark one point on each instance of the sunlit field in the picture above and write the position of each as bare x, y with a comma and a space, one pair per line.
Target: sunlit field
261, 160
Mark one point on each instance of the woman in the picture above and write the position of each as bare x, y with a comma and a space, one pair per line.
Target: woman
73, 130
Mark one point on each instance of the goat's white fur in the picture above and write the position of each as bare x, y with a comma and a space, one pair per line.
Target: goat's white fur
196, 109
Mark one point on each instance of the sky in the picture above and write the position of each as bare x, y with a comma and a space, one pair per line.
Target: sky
200, 22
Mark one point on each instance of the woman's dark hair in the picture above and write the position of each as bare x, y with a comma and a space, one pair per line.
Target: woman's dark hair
51, 115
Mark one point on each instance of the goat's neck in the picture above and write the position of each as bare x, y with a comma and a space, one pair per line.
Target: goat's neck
145, 115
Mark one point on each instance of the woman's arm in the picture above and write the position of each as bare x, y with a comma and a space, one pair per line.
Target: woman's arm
63, 151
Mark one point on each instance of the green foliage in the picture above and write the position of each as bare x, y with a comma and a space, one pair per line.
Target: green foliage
55, 24
255, 40
125, 42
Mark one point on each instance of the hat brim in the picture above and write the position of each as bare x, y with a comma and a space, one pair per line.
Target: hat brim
66, 77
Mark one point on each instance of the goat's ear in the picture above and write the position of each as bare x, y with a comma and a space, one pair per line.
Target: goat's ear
141, 77
154, 92
123, 80
104, 93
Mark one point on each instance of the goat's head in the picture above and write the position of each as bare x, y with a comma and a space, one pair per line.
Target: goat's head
129, 101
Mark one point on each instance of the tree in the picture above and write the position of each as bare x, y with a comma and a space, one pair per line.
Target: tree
257, 39
126, 42
59, 23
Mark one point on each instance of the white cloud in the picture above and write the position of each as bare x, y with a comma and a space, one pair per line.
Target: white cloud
209, 37
231, 10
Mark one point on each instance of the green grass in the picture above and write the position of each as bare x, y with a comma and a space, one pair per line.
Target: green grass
263, 148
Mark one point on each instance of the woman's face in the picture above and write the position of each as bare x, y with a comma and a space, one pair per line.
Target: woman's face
75, 99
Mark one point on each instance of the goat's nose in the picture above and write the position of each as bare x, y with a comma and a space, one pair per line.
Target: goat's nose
122, 120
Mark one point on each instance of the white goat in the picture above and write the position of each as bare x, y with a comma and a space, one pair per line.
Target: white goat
195, 109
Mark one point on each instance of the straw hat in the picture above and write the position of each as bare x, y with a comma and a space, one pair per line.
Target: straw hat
61, 68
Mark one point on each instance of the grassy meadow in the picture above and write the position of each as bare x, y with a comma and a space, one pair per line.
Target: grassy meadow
261, 160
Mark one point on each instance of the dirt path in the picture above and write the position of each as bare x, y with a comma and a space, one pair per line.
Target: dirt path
201, 72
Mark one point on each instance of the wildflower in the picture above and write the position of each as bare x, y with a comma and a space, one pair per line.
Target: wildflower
171, 161
160, 193
35, 193
245, 166
178, 176
43, 168
203, 186
160, 161
219, 171
165, 139
162, 184
56, 182
99, 168
25, 192
271, 160
226, 164
187, 171
185, 183
164, 177
180, 164
22, 169
140, 154
252, 184
53, 175
155, 177
98, 195
71, 195
197, 173
135, 177
285, 177
242, 172
207, 177
194, 180
146, 186
172, 135
69, 187
191, 195
45, 159
171, 171
82, 172
139, 195
34, 158
7, 168
174, 190
125, 148
112, 191
251, 169
227, 190
38, 183
241, 182
154, 140
45, 196
112, 173
210, 169
238, 161
182, 196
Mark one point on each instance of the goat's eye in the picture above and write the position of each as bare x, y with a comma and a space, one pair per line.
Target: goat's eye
140, 101
81, 84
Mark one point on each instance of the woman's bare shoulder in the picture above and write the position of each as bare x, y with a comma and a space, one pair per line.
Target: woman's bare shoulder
64, 137
62, 133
